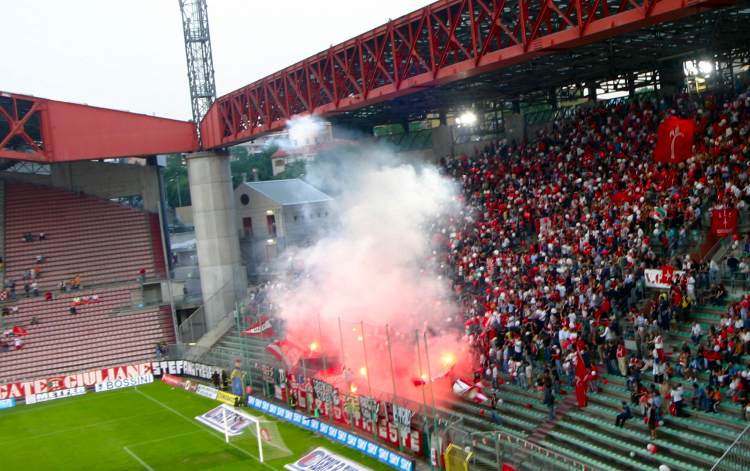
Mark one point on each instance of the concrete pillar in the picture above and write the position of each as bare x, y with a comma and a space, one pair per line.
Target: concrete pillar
223, 278
553, 98
671, 77
442, 141
515, 126
591, 87
631, 85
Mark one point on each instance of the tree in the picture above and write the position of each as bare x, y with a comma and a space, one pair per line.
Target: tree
294, 169
176, 184
243, 162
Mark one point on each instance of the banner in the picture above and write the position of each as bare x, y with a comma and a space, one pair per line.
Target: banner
87, 379
467, 390
402, 416
286, 351
262, 328
724, 221
7, 403
207, 391
674, 143
227, 398
172, 380
185, 368
123, 383
321, 459
53, 395
659, 278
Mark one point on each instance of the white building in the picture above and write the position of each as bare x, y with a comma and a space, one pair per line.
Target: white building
275, 214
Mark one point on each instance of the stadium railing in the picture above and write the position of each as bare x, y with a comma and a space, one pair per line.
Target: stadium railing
737, 455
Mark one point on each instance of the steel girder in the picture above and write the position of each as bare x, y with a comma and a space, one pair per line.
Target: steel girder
446, 41
47, 131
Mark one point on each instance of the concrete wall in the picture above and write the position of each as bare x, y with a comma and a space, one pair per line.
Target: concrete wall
515, 126
106, 180
442, 141
256, 209
223, 278
311, 221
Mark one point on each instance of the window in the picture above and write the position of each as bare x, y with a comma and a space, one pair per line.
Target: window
247, 226
271, 223
244, 199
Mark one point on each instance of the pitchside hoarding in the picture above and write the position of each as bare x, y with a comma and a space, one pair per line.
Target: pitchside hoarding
7, 403
113, 384
91, 378
53, 395
321, 459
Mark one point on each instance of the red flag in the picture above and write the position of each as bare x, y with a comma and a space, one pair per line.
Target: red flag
723, 221
582, 379
19, 331
418, 382
674, 142
262, 328
286, 351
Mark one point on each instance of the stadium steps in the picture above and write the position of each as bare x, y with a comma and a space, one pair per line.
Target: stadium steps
63, 343
730, 412
620, 446
686, 433
94, 237
674, 443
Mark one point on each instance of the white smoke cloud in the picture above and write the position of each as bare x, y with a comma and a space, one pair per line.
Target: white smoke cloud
376, 266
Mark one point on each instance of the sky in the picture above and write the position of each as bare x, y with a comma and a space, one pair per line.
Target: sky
130, 55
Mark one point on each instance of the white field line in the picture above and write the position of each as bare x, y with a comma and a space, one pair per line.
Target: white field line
135, 457
201, 427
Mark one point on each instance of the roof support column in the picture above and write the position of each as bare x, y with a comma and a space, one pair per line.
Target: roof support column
223, 278
671, 77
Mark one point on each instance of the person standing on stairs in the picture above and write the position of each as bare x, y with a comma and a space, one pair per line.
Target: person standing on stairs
549, 398
652, 419
623, 416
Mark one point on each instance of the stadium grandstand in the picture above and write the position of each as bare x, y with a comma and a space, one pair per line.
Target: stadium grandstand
598, 267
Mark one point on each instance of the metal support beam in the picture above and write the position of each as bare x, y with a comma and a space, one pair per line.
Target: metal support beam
445, 42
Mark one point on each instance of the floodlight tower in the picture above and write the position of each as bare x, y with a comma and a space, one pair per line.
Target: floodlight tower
200, 63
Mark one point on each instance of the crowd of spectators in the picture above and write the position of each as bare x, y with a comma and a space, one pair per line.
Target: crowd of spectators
549, 256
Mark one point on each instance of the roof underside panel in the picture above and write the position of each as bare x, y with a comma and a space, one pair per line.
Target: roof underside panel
40, 130
447, 42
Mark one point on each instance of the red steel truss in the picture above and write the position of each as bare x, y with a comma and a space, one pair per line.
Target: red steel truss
446, 41
48, 131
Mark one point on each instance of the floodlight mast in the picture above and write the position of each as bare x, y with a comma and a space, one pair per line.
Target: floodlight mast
200, 64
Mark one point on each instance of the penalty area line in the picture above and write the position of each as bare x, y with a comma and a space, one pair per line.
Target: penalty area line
201, 427
135, 457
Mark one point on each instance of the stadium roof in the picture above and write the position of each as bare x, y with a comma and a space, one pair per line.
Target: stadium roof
714, 31
289, 192
453, 53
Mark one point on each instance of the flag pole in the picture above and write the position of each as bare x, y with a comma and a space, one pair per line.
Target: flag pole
345, 405
325, 366
393, 384
432, 392
424, 397
367, 375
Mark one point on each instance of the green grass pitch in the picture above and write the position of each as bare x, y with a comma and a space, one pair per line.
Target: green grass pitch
150, 427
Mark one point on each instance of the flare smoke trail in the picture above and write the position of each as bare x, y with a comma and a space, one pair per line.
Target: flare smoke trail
377, 266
